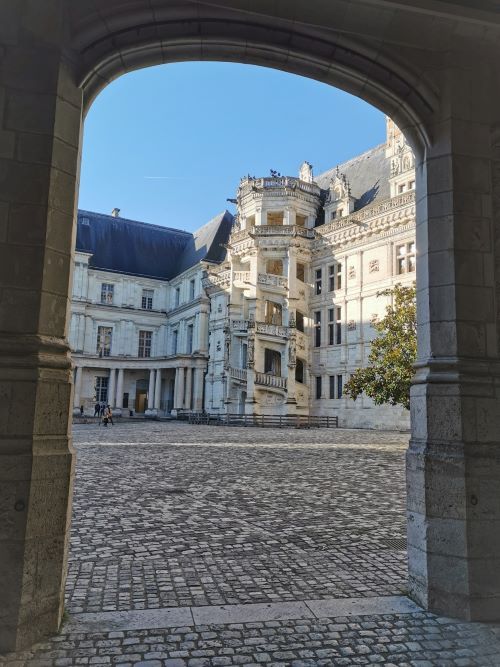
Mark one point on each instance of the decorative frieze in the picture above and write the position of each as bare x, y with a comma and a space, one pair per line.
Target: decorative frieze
272, 280
373, 266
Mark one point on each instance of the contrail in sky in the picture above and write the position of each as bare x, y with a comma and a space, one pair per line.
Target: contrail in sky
164, 178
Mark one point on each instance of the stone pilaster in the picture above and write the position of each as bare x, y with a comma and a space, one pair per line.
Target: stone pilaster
40, 120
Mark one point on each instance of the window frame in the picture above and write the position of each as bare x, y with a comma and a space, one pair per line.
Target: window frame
103, 346
318, 390
317, 328
146, 299
318, 281
106, 292
145, 345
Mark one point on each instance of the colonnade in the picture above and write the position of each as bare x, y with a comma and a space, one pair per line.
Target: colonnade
188, 391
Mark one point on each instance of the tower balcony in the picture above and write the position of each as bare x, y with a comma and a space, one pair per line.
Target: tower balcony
239, 326
239, 374
271, 280
271, 381
282, 230
273, 330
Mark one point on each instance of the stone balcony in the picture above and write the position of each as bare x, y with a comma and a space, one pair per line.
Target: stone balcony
275, 330
217, 280
239, 326
272, 381
271, 280
278, 185
238, 374
263, 231
241, 278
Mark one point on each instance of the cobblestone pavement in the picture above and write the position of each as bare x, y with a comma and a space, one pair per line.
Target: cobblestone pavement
170, 515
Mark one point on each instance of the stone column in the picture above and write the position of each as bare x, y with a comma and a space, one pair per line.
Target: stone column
453, 463
151, 389
189, 385
179, 388
40, 120
158, 389
78, 387
112, 387
198, 389
119, 389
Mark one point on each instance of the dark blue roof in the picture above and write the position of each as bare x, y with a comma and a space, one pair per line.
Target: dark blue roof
137, 248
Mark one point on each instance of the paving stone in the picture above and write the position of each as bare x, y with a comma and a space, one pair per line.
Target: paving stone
268, 518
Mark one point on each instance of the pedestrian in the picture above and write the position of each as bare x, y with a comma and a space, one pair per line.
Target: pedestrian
81, 410
105, 419
97, 410
103, 409
110, 415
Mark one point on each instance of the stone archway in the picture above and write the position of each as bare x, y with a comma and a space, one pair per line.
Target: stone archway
410, 62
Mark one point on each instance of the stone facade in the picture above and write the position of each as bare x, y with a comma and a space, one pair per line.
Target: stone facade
278, 325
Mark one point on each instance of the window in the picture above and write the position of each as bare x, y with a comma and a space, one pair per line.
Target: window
299, 371
244, 355
107, 291
402, 188
125, 399
175, 337
338, 326
189, 346
300, 220
191, 289
272, 362
405, 258
334, 326
299, 321
336, 386
317, 281
147, 299
145, 338
104, 335
275, 267
177, 298
340, 386
301, 272
411, 185
334, 277
333, 215
275, 218
317, 328
273, 313
331, 327
101, 389
318, 386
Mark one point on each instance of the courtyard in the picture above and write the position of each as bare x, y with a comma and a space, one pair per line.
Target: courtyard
203, 546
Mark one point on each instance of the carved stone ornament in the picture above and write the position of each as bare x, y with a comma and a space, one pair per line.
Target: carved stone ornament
373, 266
351, 325
250, 352
292, 353
351, 273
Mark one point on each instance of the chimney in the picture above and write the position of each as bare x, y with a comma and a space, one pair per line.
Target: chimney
115, 212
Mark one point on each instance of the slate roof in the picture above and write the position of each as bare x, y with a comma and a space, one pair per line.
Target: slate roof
141, 249
368, 175
207, 242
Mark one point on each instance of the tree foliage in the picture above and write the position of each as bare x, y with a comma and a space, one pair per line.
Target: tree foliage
387, 377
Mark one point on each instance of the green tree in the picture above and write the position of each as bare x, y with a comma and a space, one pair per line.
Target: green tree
387, 377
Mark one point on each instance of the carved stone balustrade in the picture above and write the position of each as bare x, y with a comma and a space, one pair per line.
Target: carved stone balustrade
268, 380
241, 276
277, 330
239, 325
283, 230
221, 279
281, 184
238, 374
272, 280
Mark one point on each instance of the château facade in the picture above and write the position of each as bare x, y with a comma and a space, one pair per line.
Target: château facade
266, 312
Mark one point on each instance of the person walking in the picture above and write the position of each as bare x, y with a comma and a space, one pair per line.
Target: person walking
103, 409
110, 415
81, 410
97, 409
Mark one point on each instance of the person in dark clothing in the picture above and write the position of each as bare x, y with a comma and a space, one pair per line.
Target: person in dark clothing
97, 410
81, 410
109, 415
103, 408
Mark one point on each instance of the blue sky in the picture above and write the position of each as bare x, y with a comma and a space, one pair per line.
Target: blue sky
168, 145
